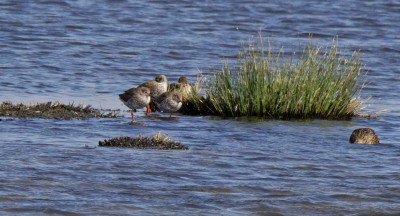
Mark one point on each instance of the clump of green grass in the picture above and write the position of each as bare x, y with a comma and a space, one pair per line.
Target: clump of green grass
159, 142
54, 110
320, 83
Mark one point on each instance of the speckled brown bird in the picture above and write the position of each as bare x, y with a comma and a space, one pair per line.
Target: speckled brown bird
182, 81
364, 136
157, 86
136, 98
182, 87
169, 102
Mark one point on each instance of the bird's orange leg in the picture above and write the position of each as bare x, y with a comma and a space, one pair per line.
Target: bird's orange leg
133, 119
148, 108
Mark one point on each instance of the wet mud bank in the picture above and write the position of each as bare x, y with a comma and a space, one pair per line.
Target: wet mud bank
54, 110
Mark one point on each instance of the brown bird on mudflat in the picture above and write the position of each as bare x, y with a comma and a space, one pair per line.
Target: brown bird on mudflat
169, 102
364, 136
157, 86
136, 98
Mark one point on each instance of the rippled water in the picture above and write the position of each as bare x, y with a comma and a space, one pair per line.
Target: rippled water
88, 52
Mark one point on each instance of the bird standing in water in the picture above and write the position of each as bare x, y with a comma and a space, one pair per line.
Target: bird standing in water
157, 87
136, 98
169, 102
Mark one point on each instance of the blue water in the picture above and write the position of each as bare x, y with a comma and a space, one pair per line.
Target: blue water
88, 52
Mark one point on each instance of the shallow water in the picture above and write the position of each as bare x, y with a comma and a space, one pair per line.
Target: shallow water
84, 52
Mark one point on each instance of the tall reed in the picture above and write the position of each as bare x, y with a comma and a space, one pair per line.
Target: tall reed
320, 83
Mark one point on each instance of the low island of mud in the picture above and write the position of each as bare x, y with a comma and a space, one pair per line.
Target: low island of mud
53, 110
158, 142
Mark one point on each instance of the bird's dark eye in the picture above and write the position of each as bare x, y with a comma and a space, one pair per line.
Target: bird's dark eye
159, 79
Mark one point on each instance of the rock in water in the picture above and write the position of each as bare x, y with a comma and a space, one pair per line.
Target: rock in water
364, 136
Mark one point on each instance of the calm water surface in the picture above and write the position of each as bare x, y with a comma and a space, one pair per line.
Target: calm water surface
86, 52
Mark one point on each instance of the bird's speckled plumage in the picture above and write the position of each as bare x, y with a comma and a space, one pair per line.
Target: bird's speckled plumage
182, 86
157, 86
169, 102
136, 98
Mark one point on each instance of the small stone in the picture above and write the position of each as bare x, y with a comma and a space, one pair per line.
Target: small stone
364, 136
